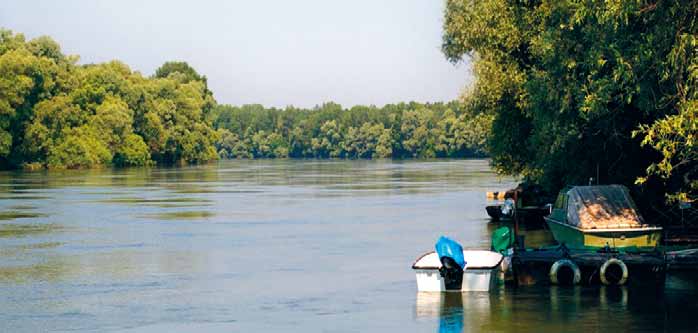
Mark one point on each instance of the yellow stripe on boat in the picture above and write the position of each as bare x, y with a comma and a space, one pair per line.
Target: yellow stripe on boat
577, 238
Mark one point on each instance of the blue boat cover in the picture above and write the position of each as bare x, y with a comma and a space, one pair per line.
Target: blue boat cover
446, 247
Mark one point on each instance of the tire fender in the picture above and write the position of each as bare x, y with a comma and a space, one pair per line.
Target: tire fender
565, 263
608, 263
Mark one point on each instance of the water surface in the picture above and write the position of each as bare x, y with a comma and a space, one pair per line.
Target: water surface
269, 246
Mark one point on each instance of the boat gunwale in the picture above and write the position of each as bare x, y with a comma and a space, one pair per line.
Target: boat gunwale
414, 267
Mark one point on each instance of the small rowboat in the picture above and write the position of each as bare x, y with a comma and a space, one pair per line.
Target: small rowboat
480, 273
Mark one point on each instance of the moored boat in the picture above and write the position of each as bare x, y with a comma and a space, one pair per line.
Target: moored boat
479, 274
529, 202
589, 217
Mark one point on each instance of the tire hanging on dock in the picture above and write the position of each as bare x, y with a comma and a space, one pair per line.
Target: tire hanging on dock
613, 272
565, 264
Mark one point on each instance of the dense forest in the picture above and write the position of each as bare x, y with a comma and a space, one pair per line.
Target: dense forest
406, 130
55, 113
586, 89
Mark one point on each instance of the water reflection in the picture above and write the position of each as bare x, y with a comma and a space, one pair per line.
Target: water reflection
15, 230
98, 250
16, 214
49, 271
559, 309
183, 215
166, 202
110, 249
456, 312
682, 280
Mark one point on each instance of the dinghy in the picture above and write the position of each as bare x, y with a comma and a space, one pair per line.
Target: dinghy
438, 273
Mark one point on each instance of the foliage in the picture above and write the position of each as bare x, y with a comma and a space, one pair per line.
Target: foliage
56, 113
132, 152
81, 148
404, 130
585, 89
179, 68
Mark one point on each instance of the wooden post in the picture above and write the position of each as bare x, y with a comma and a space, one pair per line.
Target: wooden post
516, 219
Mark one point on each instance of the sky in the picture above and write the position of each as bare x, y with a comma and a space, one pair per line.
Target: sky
270, 52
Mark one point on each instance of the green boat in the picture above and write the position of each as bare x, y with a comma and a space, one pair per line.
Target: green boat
592, 217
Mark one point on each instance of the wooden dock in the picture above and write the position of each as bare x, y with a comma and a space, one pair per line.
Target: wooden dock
533, 266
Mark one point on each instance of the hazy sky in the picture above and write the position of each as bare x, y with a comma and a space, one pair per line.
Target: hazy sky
273, 52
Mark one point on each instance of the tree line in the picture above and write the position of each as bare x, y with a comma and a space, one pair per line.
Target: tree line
586, 89
405, 130
56, 113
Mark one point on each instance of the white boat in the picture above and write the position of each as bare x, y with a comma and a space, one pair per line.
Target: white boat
480, 273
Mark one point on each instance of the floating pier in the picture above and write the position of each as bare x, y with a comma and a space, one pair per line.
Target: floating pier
564, 266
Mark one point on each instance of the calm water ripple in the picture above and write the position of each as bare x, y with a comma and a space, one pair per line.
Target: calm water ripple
254, 246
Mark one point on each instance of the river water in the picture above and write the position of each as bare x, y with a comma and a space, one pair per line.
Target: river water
275, 246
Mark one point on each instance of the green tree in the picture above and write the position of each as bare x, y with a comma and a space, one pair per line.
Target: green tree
171, 67
27, 76
418, 137
59, 114
81, 148
132, 152
328, 142
568, 83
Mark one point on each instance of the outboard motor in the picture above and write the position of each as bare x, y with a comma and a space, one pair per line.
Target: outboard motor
452, 262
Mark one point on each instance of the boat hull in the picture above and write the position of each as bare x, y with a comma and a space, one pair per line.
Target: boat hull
480, 274
495, 212
473, 280
530, 216
576, 238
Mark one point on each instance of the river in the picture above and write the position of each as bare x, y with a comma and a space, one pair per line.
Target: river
275, 246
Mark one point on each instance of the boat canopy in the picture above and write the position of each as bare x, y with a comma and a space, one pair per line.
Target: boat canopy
602, 207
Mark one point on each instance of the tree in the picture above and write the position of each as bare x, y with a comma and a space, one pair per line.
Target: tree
132, 152
418, 137
81, 148
328, 142
59, 114
567, 84
187, 73
675, 135
27, 76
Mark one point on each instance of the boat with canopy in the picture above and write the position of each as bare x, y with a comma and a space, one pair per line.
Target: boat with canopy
590, 217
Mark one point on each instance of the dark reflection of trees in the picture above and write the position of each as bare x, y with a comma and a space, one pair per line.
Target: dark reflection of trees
333, 177
48, 271
17, 230
18, 214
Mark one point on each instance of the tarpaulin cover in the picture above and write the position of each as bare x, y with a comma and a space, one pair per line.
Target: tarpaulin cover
502, 239
447, 247
602, 207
